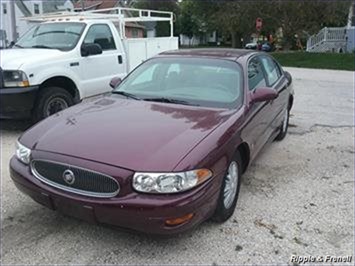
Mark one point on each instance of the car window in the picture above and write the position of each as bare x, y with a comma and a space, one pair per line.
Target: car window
272, 70
256, 76
197, 81
100, 34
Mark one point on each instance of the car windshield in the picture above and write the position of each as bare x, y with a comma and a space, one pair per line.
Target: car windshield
192, 81
62, 36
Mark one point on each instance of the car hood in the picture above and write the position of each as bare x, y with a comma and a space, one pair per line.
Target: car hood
13, 59
136, 135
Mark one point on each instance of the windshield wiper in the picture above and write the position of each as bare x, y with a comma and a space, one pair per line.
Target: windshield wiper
127, 94
42, 46
18, 46
169, 100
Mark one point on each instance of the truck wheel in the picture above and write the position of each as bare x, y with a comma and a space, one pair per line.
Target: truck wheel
228, 195
50, 101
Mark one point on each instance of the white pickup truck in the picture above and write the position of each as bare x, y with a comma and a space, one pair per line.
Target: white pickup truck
67, 57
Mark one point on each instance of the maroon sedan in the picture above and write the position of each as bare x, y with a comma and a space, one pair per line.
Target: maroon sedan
167, 149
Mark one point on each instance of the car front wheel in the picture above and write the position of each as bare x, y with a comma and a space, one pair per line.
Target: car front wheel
229, 191
284, 126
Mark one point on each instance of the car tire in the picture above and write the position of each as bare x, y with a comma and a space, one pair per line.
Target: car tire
284, 126
226, 204
51, 100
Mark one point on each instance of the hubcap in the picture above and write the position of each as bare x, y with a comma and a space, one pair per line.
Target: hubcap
55, 105
231, 183
284, 125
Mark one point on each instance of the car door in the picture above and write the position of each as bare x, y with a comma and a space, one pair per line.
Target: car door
276, 80
257, 130
96, 71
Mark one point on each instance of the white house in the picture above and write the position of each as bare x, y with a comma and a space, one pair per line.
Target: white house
11, 12
204, 38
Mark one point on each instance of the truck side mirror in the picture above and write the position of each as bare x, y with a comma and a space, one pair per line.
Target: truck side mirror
90, 49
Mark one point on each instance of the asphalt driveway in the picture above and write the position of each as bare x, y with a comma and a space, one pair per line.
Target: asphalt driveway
296, 199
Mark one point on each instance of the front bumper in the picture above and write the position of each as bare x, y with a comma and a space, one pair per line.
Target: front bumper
141, 212
17, 102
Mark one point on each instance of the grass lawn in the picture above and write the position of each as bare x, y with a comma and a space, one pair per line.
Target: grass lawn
316, 60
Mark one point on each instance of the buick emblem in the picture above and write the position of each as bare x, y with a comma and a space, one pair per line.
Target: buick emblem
68, 177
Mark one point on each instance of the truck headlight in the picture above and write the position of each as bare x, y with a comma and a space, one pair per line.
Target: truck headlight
23, 153
15, 78
169, 182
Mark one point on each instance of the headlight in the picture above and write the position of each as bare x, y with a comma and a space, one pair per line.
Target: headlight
23, 153
15, 78
169, 182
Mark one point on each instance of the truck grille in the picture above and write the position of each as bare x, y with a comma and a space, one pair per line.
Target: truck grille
75, 179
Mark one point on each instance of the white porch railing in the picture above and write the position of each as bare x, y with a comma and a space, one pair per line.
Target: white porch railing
327, 40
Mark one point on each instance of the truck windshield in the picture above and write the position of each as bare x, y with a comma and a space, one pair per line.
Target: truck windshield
62, 36
190, 81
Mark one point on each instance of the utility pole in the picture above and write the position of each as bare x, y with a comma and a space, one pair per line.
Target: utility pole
82, 5
351, 15
13, 21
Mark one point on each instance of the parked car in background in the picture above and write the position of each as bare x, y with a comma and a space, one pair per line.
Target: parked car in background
167, 149
72, 56
266, 47
252, 46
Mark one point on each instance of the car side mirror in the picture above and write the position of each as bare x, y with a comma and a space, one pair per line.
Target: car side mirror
115, 82
263, 95
90, 49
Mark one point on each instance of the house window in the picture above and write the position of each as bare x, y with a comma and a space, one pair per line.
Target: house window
4, 8
135, 33
36, 8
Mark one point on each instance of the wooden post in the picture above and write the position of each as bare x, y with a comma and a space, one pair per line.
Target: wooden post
82, 5
350, 15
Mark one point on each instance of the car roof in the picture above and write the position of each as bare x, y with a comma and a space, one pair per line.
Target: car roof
231, 54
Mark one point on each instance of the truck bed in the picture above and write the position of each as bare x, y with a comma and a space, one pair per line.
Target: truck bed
140, 49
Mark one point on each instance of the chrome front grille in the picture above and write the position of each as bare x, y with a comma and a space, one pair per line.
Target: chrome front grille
75, 179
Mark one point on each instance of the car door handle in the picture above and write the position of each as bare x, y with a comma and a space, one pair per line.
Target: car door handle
120, 60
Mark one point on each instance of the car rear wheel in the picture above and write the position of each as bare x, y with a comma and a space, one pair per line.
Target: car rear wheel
284, 126
50, 101
229, 191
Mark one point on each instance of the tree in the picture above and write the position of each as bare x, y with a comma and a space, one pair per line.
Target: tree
190, 21
237, 18
234, 19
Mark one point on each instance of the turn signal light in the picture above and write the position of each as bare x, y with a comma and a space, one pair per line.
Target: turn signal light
180, 220
25, 83
203, 174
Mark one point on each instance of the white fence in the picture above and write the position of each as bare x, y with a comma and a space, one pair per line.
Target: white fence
328, 40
